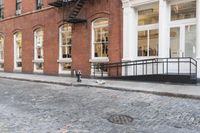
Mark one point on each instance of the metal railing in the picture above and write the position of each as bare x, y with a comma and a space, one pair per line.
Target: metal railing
156, 66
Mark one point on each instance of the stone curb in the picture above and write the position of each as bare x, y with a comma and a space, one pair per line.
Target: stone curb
169, 94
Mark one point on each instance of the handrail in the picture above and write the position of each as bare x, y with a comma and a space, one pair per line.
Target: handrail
153, 66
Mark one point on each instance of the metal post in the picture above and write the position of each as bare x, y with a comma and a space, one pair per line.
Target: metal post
167, 66
178, 66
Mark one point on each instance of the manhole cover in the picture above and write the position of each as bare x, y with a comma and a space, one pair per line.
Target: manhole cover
120, 119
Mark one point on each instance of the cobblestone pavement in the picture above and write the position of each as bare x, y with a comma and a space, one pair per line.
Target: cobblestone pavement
27, 107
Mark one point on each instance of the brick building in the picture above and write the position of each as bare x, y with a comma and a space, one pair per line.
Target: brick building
56, 36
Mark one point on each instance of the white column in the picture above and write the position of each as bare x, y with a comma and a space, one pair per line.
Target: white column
129, 34
198, 37
164, 38
198, 29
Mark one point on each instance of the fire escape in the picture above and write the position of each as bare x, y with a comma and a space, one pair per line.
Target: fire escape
77, 5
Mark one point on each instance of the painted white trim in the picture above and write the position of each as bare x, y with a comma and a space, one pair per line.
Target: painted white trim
61, 59
16, 69
38, 60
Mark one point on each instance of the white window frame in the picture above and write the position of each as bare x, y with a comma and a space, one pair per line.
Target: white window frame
16, 53
147, 28
93, 58
2, 60
62, 60
36, 59
181, 24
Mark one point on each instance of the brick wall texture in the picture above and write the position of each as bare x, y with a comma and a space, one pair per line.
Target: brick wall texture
49, 19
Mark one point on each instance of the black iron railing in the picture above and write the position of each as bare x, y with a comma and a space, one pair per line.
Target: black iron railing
156, 66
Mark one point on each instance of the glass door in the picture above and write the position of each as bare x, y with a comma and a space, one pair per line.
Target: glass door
190, 41
183, 41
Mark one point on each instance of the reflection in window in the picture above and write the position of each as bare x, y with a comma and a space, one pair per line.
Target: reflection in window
190, 41
142, 43
98, 69
65, 48
18, 49
38, 50
39, 66
153, 42
174, 42
66, 41
38, 44
65, 66
184, 10
100, 43
148, 43
148, 16
1, 9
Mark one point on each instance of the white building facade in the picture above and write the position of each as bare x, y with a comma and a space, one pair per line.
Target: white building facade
161, 28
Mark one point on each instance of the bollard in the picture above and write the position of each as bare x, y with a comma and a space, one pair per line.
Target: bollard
78, 75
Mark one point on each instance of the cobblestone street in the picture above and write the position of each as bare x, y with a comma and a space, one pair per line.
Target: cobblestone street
28, 107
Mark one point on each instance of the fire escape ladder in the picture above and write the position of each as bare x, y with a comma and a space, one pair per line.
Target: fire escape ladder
75, 11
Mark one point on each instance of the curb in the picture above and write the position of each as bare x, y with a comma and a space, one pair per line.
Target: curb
169, 94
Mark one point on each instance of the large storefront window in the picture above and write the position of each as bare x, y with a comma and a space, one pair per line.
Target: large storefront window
190, 41
65, 48
148, 31
148, 16
1, 52
148, 43
183, 33
38, 50
184, 10
18, 51
100, 40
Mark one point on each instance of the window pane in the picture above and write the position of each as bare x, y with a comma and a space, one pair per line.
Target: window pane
39, 44
66, 41
1, 65
148, 16
174, 42
101, 38
190, 41
19, 64
142, 43
1, 48
98, 69
39, 66
18, 42
65, 66
184, 10
39, 53
153, 43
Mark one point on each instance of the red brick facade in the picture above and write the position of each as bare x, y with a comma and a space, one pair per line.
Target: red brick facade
50, 19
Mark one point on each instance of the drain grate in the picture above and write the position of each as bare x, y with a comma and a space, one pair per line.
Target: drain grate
120, 119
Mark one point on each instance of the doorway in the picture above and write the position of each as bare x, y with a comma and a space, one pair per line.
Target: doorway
183, 41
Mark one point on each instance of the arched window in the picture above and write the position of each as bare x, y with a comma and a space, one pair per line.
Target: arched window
1, 52
100, 38
65, 48
18, 51
38, 50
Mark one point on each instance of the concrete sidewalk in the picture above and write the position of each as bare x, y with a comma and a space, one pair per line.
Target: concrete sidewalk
177, 90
